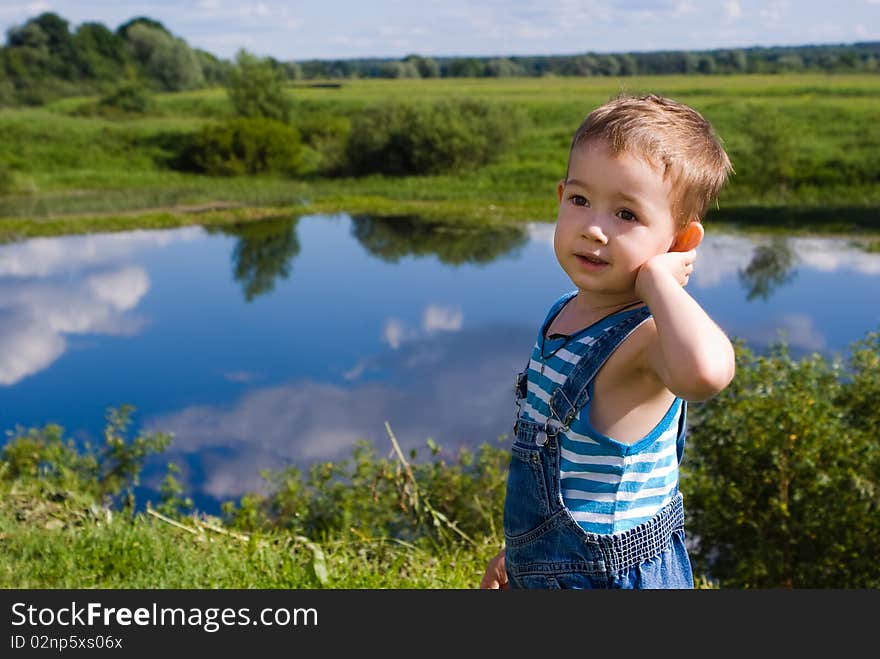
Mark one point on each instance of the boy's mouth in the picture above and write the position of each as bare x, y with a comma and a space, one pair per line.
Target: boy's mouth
590, 259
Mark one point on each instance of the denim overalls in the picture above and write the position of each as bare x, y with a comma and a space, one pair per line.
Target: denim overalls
544, 546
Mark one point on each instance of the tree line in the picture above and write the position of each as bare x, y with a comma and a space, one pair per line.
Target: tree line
44, 59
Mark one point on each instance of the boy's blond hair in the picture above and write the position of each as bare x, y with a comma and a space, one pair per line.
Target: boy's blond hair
670, 135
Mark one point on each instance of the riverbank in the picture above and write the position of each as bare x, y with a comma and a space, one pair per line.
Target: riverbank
65, 172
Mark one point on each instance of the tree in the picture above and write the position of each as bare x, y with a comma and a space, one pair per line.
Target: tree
214, 70
256, 89
501, 67
100, 53
62, 53
27, 55
397, 69
629, 65
167, 60
427, 66
464, 67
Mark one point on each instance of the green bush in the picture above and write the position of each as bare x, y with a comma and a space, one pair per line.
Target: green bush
427, 502
107, 473
7, 180
244, 146
127, 99
403, 139
782, 473
325, 137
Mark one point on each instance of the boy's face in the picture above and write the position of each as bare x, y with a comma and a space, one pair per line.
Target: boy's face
615, 212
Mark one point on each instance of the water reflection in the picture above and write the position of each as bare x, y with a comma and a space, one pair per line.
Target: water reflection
263, 253
391, 238
327, 327
265, 250
770, 267
53, 288
422, 392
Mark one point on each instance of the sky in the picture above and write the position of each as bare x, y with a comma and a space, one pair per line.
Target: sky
350, 29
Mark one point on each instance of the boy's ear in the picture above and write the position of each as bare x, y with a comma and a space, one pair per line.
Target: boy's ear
560, 187
688, 238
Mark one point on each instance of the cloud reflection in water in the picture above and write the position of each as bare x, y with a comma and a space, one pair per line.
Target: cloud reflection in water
51, 288
454, 387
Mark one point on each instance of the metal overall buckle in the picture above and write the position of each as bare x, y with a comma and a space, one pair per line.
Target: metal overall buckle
555, 428
549, 430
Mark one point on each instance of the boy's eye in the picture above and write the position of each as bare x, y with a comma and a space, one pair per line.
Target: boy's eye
579, 200
627, 215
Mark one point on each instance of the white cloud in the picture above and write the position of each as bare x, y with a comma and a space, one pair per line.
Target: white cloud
387, 28
41, 257
122, 289
394, 332
830, 254
36, 316
720, 257
774, 12
542, 232
437, 318
56, 287
305, 421
797, 330
26, 348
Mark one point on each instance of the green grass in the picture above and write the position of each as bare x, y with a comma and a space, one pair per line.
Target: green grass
99, 173
46, 545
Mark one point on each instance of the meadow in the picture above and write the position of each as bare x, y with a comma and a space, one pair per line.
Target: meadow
804, 147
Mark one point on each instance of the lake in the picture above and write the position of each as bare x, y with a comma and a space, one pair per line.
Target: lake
286, 341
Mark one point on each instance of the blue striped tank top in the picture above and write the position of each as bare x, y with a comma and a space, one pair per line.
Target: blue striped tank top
607, 486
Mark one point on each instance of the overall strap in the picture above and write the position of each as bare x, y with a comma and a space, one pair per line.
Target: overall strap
573, 394
522, 376
557, 306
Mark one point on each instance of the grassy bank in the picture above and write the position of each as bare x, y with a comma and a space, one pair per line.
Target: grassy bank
771, 502
807, 144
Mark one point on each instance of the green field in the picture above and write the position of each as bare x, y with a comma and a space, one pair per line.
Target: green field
806, 150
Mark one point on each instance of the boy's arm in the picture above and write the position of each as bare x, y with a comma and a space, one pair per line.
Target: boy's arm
691, 355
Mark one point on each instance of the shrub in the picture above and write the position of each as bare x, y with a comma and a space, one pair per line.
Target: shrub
325, 135
434, 501
108, 472
407, 138
129, 98
782, 472
244, 146
7, 180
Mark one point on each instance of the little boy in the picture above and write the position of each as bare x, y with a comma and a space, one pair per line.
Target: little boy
592, 492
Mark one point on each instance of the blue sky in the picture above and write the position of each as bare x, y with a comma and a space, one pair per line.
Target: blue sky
342, 29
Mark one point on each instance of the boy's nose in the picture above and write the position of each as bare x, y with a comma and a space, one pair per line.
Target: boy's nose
593, 230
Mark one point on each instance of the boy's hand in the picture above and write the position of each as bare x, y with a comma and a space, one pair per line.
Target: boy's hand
678, 265
496, 575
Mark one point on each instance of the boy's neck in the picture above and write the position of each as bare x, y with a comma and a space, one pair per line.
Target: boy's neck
585, 309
